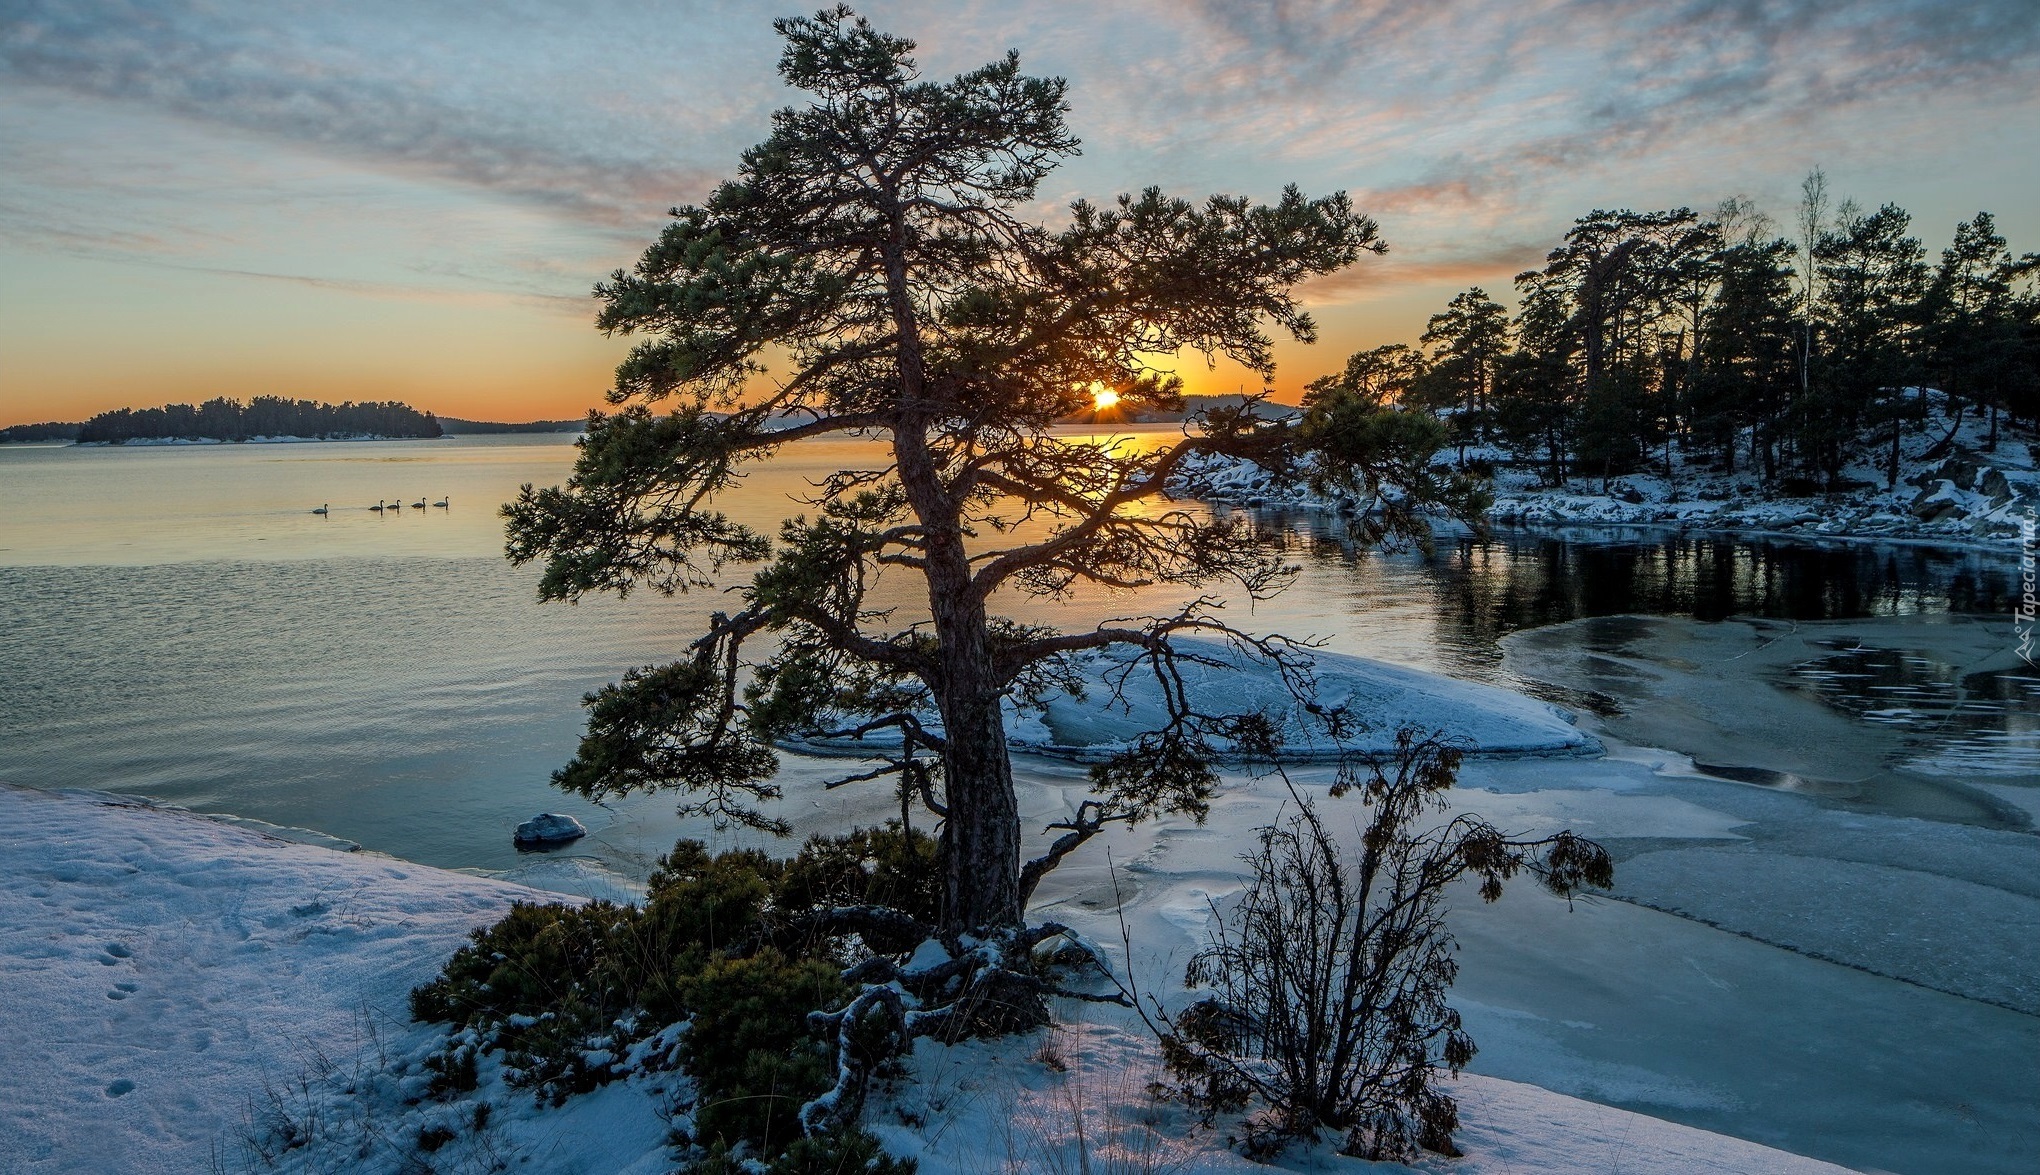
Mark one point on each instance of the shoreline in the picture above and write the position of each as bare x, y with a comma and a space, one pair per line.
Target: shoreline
1972, 545
2006, 545
1952, 487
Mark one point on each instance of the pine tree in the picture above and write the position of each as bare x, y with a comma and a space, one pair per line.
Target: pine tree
874, 244
1971, 332
1467, 343
1384, 376
1873, 278
1748, 354
1537, 385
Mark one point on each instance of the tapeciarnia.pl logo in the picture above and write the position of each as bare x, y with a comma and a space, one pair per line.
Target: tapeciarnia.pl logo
2028, 606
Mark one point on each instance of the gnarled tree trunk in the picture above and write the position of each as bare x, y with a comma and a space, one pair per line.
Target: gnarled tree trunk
981, 833
981, 836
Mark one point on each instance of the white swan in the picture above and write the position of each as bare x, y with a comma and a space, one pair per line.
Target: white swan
441, 503
323, 509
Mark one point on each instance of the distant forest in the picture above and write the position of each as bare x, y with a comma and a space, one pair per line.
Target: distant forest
1794, 353
55, 430
264, 416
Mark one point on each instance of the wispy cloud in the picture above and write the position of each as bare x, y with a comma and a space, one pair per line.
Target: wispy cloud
519, 102
1493, 96
397, 291
1493, 266
612, 109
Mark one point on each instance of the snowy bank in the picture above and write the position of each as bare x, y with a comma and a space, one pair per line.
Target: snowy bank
1953, 487
1122, 699
179, 984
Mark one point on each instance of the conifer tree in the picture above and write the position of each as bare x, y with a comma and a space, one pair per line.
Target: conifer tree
1873, 277
1971, 330
1748, 354
1467, 343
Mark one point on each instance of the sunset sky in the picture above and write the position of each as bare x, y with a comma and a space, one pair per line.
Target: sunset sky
373, 200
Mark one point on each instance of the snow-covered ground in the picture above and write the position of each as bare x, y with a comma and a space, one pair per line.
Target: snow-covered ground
1960, 492
192, 996
176, 985
994, 1108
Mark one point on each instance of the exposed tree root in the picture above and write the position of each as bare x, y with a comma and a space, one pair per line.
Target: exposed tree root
971, 987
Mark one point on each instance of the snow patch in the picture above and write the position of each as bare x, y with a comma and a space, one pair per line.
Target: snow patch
1122, 700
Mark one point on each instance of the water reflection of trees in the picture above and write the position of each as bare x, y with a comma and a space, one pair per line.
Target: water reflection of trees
1514, 580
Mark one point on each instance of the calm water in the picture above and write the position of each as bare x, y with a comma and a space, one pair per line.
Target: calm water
175, 622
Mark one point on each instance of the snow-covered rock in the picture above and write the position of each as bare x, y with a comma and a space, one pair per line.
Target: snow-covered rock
549, 828
1122, 699
1377, 700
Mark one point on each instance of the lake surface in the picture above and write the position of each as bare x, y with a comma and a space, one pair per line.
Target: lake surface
175, 622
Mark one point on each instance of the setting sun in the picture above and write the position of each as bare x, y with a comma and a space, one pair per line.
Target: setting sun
1103, 398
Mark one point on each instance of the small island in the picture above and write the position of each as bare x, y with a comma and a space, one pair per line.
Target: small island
455, 427
40, 434
261, 419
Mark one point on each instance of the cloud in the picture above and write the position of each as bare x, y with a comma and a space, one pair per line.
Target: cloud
1454, 121
1492, 267
612, 111
399, 291
1496, 94
492, 97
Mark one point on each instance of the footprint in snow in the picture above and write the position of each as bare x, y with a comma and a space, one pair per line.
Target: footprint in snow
121, 991
120, 1088
115, 952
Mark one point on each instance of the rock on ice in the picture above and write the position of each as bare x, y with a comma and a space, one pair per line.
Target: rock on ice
549, 828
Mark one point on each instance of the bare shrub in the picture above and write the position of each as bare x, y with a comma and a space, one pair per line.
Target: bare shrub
1326, 1008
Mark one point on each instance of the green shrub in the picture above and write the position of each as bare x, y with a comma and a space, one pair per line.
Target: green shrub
867, 867
753, 1060
453, 1068
537, 959
696, 907
563, 990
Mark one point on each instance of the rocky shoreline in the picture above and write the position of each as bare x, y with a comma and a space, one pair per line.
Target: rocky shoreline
1954, 489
